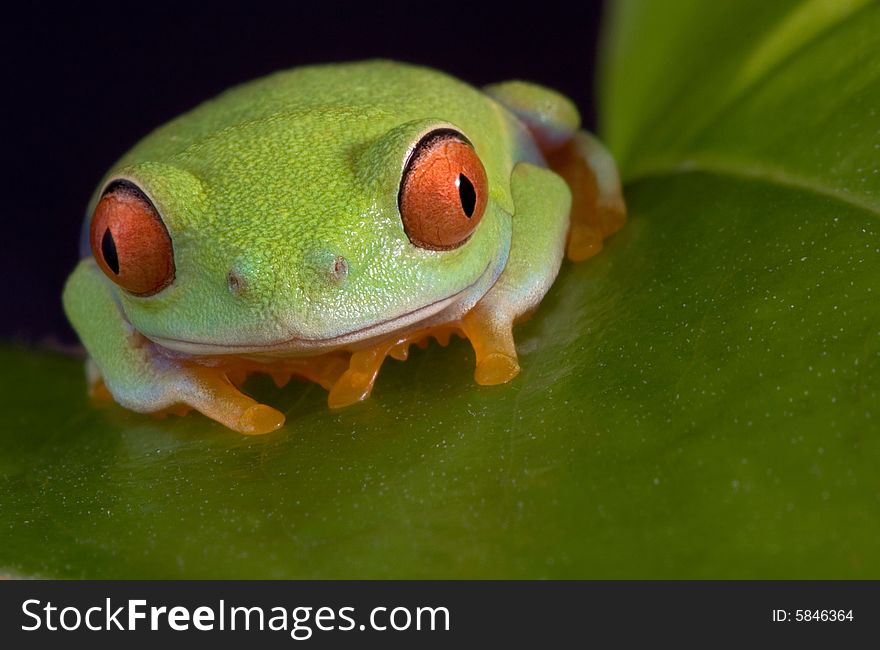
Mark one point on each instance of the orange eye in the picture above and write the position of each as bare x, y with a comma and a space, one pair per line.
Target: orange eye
443, 192
130, 242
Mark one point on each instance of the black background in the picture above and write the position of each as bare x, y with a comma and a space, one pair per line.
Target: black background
83, 86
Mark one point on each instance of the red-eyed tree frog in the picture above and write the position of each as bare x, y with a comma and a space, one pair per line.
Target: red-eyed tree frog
315, 221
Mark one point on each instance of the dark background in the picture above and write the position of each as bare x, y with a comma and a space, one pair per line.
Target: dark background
81, 88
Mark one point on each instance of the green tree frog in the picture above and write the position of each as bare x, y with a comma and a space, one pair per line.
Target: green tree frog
314, 222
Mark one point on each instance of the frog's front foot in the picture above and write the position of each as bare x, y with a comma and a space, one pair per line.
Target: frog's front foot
356, 383
209, 391
184, 386
496, 368
491, 335
496, 355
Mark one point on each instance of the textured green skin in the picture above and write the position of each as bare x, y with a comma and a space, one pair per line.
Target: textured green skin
274, 179
226, 168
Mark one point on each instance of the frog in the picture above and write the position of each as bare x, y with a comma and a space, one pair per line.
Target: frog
316, 221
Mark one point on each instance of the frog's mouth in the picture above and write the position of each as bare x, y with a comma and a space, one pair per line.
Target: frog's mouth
440, 311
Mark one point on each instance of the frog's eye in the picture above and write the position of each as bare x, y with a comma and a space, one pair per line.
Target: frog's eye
443, 192
130, 241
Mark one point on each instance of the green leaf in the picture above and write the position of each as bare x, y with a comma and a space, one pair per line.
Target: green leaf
698, 401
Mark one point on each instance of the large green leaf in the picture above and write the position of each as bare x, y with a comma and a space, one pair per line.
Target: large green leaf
698, 401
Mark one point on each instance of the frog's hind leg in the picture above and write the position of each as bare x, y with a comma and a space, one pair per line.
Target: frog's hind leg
95, 381
597, 207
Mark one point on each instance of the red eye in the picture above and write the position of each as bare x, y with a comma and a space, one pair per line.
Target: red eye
130, 242
443, 192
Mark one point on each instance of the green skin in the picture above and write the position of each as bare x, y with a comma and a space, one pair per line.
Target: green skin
273, 180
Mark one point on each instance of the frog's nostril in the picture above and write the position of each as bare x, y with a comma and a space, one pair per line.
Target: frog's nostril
339, 269
236, 282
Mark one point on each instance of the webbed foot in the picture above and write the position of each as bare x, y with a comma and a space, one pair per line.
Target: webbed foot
597, 206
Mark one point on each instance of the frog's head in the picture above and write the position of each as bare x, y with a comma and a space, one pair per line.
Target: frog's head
367, 198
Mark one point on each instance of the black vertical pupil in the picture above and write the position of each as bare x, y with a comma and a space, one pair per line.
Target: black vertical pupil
108, 250
467, 194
